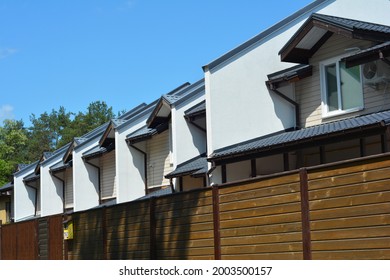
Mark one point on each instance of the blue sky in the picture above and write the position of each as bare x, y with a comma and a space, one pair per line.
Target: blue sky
124, 52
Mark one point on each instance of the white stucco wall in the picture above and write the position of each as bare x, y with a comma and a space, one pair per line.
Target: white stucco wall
130, 164
85, 179
188, 141
24, 196
51, 189
239, 106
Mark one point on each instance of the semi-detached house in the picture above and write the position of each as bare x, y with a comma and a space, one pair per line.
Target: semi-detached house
117, 162
298, 98
170, 138
309, 90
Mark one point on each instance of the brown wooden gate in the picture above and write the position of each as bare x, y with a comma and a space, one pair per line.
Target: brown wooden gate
55, 227
32, 240
19, 241
50, 236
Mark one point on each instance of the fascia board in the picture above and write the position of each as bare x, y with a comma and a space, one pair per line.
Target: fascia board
30, 168
142, 114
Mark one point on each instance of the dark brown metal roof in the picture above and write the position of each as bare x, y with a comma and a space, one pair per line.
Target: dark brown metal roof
318, 28
195, 166
371, 54
294, 138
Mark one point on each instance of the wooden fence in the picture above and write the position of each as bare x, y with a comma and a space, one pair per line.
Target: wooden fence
335, 211
32, 240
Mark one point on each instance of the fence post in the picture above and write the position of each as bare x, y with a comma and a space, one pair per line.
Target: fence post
152, 224
217, 233
305, 214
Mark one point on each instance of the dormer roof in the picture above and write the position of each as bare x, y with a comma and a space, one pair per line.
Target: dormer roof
317, 30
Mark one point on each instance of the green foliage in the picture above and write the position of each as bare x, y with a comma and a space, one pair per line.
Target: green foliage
48, 132
13, 144
97, 114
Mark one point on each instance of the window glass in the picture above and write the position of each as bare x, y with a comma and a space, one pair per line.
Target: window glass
351, 88
342, 89
331, 86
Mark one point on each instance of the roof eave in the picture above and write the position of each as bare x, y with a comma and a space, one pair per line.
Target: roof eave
369, 55
290, 52
295, 144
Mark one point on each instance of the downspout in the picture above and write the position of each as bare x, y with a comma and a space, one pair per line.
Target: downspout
63, 189
99, 183
213, 166
171, 185
145, 166
295, 104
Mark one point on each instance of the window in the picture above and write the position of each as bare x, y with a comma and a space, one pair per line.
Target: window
342, 90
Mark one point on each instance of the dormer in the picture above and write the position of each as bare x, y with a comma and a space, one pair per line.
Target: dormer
338, 88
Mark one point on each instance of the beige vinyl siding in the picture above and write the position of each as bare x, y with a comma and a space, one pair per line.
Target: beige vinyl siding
308, 90
69, 188
108, 176
3, 211
191, 183
158, 163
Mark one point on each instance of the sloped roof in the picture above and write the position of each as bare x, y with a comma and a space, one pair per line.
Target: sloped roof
198, 109
26, 166
290, 74
60, 166
22, 166
98, 151
131, 113
197, 165
141, 134
309, 134
162, 111
7, 187
145, 133
367, 55
31, 177
164, 191
318, 28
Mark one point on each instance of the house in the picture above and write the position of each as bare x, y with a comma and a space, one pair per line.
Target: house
322, 98
121, 175
171, 137
107, 166
26, 193
265, 90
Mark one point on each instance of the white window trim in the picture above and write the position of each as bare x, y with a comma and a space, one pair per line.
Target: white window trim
324, 105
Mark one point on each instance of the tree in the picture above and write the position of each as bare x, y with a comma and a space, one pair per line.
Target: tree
97, 114
13, 144
46, 132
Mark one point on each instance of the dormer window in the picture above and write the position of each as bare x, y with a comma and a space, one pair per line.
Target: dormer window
341, 88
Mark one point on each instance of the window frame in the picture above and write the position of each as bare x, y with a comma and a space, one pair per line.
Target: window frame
323, 86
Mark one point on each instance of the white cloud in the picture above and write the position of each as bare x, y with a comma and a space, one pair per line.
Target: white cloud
6, 112
7, 52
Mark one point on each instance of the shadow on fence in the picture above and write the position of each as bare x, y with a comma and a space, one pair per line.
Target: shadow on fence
335, 211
